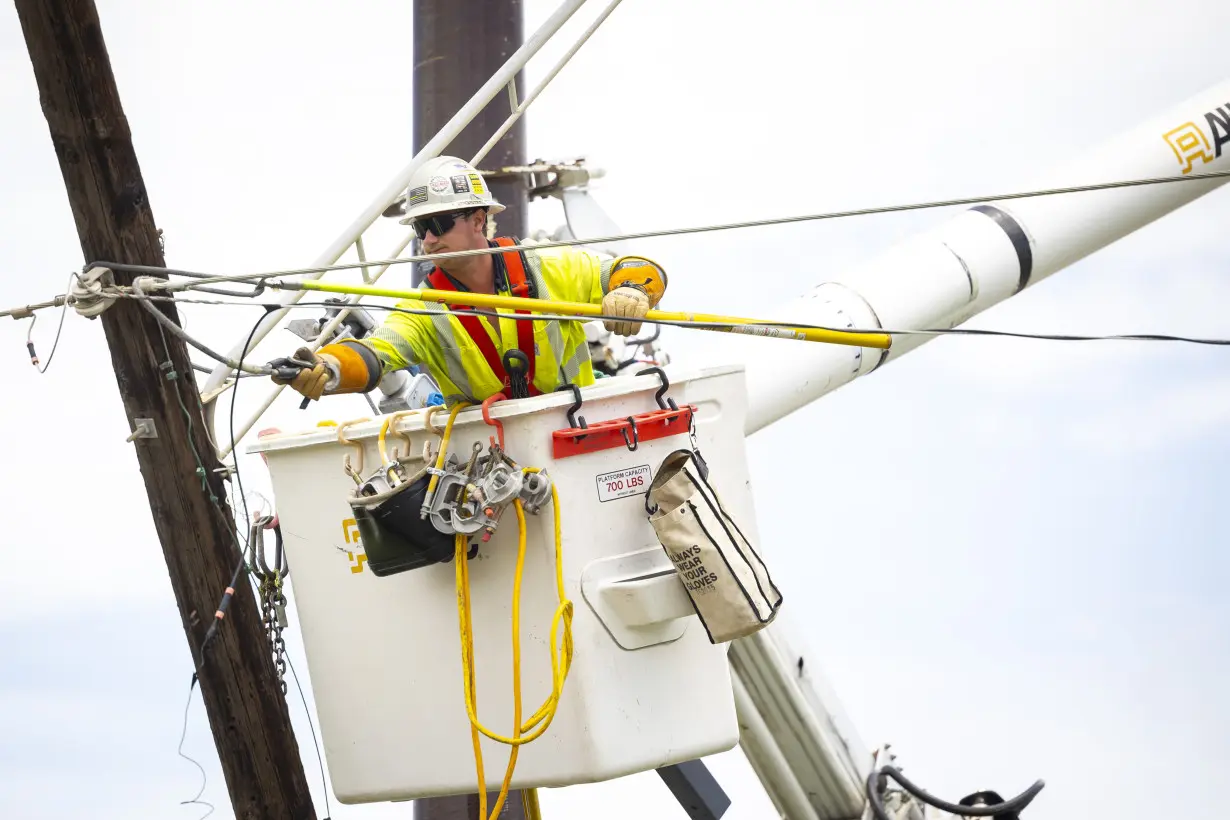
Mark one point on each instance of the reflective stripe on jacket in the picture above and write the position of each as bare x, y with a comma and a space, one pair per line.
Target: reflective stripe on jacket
438, 342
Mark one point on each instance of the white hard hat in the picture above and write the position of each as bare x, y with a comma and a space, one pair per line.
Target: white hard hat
444, 184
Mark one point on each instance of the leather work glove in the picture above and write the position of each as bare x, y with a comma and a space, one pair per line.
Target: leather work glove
312, 382
625, 302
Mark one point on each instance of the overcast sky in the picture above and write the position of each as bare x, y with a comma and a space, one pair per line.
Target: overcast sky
1006, 556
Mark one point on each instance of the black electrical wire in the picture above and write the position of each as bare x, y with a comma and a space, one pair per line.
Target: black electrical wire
755, 223
204, 777
876, 780
200, 368
223, 605
234, 393
239, 484
954, 331
874, 784
172, 374
42, 368
638, 344
319, 760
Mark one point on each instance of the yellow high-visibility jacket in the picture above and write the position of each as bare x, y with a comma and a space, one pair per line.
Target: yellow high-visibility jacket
437, 341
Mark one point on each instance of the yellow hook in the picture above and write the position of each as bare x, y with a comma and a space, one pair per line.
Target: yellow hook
341, 428
390, 427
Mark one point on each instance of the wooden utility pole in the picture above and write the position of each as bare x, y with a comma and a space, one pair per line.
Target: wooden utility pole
247, 712
458, 45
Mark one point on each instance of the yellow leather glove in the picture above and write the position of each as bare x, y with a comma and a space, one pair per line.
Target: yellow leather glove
625, 302
312, 382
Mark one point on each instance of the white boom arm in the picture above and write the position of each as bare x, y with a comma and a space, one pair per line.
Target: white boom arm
991, 252
938, 280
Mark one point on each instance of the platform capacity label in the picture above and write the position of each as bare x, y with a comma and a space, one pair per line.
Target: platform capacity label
623, 483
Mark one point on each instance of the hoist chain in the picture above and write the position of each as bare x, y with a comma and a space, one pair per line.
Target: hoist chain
273, 614
273, 601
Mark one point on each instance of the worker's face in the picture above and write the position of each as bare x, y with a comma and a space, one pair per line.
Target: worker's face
456, 231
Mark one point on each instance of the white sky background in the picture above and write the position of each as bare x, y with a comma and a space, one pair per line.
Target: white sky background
1006, 555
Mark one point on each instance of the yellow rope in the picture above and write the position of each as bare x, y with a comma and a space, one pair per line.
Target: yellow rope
448, 431
542, 718
529, 802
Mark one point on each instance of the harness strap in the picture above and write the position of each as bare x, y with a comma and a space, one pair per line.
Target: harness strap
518, 285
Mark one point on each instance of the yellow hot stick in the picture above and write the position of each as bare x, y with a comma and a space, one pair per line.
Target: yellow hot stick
730, 324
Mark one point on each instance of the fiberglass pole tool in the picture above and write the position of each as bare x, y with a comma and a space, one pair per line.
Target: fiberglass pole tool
724, 324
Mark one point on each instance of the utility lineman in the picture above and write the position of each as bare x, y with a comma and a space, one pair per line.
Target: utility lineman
472, 358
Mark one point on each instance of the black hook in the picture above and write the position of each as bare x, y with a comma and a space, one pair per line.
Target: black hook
636, 435
662, 390
573, 418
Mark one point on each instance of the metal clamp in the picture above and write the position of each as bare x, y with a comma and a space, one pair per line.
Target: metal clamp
470, 498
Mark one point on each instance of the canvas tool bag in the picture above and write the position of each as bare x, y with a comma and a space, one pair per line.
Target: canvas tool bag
728, 583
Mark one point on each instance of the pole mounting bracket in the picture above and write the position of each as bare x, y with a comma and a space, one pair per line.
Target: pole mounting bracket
144, 429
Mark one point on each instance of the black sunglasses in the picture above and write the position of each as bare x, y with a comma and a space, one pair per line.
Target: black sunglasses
438, 224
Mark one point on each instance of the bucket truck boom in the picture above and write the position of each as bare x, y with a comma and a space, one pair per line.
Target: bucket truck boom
939, 279
993, 251
796, 738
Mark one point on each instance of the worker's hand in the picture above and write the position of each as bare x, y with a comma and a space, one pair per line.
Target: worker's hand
311, 382
625, 302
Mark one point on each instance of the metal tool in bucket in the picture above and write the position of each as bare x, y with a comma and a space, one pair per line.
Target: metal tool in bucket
405, 525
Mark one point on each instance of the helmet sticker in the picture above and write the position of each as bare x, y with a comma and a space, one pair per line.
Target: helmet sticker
476, 182
417, 196
439, 184
459, 184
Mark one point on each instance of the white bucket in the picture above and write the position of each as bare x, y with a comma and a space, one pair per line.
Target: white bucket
646, 688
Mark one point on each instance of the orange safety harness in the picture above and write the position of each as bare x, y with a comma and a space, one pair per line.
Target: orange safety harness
519, 385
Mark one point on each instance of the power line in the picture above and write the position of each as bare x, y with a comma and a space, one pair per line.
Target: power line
250, 370
202, 279
26, 311
955, 331
205, 278
42, 368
